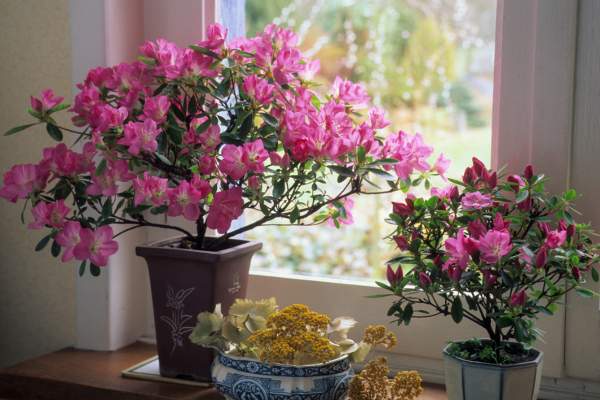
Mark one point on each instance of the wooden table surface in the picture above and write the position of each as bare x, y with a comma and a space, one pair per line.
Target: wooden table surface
79, 374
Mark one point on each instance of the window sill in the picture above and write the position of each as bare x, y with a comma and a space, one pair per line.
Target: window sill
84, 374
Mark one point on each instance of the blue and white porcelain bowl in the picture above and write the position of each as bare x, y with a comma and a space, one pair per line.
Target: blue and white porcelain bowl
239, 378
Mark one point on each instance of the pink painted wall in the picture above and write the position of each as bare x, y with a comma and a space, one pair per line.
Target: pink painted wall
129, 23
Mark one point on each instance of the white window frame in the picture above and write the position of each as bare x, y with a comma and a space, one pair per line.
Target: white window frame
532, 117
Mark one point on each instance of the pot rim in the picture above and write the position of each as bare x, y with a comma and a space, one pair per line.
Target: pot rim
537, 360
158, 249
317, 365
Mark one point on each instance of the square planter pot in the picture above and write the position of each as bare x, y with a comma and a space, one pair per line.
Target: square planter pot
472, 380
185, 282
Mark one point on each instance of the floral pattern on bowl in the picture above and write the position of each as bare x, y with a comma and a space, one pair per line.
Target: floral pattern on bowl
239, 378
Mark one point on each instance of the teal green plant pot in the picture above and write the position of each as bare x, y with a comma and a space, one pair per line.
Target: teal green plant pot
472, 380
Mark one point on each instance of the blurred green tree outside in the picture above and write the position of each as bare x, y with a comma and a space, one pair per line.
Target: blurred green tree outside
429, 63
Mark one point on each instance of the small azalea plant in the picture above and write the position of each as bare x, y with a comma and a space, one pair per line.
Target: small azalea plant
498, 251
204, 133
294, 335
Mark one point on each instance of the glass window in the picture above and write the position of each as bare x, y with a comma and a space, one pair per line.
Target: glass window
428, 63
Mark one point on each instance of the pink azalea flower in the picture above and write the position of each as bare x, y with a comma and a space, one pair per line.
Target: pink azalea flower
555, 239
140, 136
169, 58
477, 229
184, 200
68, 238
209, 139
63, 161
99, 76
254, 155
96, 245
46, 101
258, 89
215, 37
52, 214
106, 183
350, 92
459, 254
279, 160
348, 204
226, 207
494, 245
207, 165
156, 108
476, 201
377, 118
83, 103
447, 192
410, 151
441, 165
150, 189
232, 163
518, 299
22, 180
103, 117
500, 224
287, 63
310, 69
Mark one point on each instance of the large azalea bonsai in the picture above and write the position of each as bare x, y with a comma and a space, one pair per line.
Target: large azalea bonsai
206, 132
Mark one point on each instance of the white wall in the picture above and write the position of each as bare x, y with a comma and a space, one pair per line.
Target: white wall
37, 292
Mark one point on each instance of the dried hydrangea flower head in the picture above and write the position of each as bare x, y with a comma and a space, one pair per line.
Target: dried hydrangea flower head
294, 335
372, 383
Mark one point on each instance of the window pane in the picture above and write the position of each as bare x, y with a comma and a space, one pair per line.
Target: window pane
429, 63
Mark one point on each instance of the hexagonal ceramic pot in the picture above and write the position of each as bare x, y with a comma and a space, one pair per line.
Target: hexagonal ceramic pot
240, 378
472, 380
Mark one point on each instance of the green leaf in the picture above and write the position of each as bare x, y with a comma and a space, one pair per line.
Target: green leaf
457, 310
345, 171
59, 107
42, 243
18, 129
82, 267
408, 313
361, 154
163, 159
95, 270
583, 292
278, 188
54, 132
159, 210
203, 126
55, 249
101, 167
107, 208
522, 195
204, 50
383, 285
294, 215
595, 276
570, 195
271, 120
504, 321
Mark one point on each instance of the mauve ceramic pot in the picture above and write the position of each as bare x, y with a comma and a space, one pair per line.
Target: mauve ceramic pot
185, 282
472, 380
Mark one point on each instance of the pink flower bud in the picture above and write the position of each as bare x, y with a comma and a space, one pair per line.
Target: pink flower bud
576, 273
541, 257
401, 242
424, 279
570, 231
479, 167
518, 299
394, 277
528, 173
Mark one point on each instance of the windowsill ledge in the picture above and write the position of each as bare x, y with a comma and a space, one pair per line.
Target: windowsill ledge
83, 374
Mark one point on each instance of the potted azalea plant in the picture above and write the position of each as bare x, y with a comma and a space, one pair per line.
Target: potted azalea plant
497, 251
204, 133
266, 353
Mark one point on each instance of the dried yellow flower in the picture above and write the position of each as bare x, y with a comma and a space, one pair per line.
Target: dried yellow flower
372, 383
378, 334
294, 335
